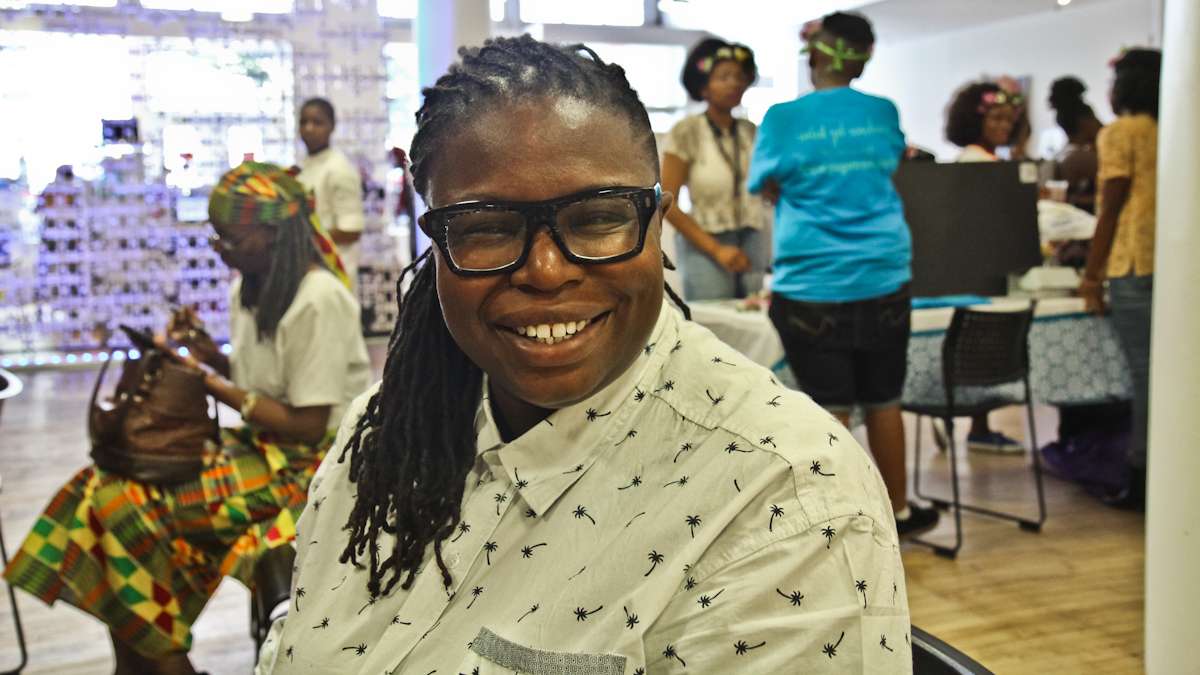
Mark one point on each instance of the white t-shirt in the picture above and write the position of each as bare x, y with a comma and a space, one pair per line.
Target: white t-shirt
710, 176
317, 357
338, 190
976, 153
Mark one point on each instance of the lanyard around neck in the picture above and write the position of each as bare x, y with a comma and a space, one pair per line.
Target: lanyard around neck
734, 162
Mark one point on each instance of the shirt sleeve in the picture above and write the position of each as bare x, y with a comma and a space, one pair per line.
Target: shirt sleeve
768, 153
1115, 148
828, 599
345, 192
315, 341
681, 141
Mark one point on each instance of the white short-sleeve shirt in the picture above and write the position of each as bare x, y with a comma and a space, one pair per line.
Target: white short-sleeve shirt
337, 187
317, 356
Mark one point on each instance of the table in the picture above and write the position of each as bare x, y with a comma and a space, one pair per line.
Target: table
1074, 358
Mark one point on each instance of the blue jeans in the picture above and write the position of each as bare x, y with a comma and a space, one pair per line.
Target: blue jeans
704, 279
1131, 302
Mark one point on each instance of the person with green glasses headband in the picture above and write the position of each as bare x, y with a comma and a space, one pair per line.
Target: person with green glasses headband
842, 251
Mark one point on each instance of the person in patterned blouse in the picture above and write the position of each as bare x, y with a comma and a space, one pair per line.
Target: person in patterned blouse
560, 473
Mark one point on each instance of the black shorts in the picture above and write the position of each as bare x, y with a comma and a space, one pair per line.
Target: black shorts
847, 353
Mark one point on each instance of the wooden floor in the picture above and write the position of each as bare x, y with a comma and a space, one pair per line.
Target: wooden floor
1068, 600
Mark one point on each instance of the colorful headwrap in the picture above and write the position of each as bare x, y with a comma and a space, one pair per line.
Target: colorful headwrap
256, 193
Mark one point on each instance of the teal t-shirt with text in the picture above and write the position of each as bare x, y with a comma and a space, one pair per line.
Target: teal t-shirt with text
840, 233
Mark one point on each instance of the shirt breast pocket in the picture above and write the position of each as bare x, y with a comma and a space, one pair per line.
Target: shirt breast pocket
491, 654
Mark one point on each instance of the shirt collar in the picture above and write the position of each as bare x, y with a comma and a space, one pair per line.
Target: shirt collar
548, 459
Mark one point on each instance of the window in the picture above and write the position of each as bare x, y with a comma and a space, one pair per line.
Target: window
653, 71
22, 4
585, 12
403, 92
232, 7
407, 9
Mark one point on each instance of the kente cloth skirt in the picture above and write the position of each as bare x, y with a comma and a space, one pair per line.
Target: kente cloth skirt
145, 559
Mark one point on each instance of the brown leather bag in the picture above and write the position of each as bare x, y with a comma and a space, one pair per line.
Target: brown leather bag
156, 428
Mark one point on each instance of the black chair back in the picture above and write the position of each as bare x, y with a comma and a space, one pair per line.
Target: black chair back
986, 348
931, 656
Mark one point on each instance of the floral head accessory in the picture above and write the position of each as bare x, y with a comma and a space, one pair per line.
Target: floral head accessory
992, 99
728, 53
839, 51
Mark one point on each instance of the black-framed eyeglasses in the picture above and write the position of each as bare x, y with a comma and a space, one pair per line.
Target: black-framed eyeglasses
592, 227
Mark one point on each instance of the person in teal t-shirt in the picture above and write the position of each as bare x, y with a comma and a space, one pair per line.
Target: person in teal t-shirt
842, 251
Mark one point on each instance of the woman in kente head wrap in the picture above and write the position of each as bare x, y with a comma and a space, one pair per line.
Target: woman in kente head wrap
145, 559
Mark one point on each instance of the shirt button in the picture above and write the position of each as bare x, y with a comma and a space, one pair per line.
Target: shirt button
455, 558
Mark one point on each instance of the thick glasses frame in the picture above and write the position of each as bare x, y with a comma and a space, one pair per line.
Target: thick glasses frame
646, 200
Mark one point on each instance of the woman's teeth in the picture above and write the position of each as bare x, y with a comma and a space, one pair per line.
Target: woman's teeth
550, 333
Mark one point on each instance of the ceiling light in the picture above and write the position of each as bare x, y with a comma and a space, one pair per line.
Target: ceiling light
1063, 3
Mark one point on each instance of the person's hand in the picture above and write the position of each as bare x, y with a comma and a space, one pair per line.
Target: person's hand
186, 329
732, 258
1092, 292
770, 191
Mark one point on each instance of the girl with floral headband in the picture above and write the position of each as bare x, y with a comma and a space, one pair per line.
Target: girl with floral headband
981, 119
721, 246
145, 559
842, 251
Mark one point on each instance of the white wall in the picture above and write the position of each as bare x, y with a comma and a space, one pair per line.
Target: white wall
921, 75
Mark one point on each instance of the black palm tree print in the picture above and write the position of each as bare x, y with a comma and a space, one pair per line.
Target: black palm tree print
324, 624
795, 597
475, 593
681, 481
692, 522
317, 504
359, 649
581, 512
830, 650
716, 400
669, 653
639, 671
581, 571
397, 622
299, 594
635, 518
669, 385
776, 512
532, 609
631, 620
705, 601
593, 414
828, 533
684, 447
521, 484
490, 548
861, 586
774, 403
655, 558
689, 584
577, 469
677, 347
648, 348
636, 481
364, 607
638, 395
720, 361
734, 447
527, 551
815, 468
768, 440
740, 647
736, 486
500, 498
883, 643
290, 651
530, 513
832, 438
582, 614
628, 435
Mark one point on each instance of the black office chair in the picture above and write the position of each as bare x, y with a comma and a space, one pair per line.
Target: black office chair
272, 587
981, 349
931, 656
10, 386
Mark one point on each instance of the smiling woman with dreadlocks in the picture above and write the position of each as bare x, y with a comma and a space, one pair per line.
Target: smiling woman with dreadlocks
560, 472
145, 558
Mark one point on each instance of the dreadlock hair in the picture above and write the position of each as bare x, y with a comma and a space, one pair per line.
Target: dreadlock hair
1136, 82
1066, 98
292, 254
411, 450
324, 106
